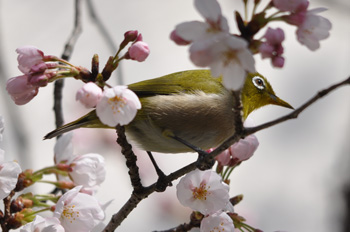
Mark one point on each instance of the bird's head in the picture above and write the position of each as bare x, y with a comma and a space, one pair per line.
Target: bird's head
257, 92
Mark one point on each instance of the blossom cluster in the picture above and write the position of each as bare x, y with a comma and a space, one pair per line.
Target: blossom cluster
205, 192
117, 105
211, 44
76, 210
231, 56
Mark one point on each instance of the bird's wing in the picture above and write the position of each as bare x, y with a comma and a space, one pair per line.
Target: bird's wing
180, 82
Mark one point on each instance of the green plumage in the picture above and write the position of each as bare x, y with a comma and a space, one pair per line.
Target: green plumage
192, 105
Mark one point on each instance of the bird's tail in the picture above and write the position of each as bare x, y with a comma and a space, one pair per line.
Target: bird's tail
89, 120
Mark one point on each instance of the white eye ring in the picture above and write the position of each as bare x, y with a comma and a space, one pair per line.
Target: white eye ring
258, 82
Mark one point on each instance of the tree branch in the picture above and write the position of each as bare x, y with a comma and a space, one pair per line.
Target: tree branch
68, 50
130, 159
241, 132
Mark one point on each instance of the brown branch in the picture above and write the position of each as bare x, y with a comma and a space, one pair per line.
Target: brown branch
130, 159
68, 50
6, 225
241, 132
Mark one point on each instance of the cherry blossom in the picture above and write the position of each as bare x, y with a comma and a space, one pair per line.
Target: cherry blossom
41, 224
118, 105
78, 212
272, 47
87, 170
219, 221
29, 56
213, 46
232, 61
20, 90
241, 150
203, 191
89, 95
9, 172
313, 29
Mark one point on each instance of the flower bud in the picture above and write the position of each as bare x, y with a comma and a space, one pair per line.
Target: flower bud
139, 51
89, 95
20, 90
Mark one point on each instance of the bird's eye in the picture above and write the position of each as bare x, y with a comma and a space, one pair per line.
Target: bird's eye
259, 82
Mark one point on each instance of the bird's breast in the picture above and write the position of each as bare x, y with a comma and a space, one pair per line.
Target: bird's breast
203, 120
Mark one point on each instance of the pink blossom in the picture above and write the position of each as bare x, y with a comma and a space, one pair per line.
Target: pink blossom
139, 51
41, 224
232, 60
224, 158
219, 221
244, 148
238, 152
20, 90
177, 39
213, 46
131, 35
88, 170
89, 95
28, 56
241, 150
214, 23
289, 5
297, 17
203, 191
9, 172
78, 212
118, 105
272, 47
313, 29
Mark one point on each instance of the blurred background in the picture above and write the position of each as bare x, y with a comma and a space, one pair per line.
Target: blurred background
297, 179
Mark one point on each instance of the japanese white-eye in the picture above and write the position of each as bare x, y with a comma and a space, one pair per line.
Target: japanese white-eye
192, 105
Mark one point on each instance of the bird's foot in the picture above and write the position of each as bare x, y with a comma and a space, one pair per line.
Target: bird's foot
202, 163
162, 182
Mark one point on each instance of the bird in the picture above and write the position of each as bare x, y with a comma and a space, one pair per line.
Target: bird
191, 106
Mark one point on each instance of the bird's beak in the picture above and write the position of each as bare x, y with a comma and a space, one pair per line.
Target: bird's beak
278, 101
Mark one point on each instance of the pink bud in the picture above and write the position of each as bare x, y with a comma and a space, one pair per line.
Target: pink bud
131, 35
274, 36
139, 51
41, 67
224, 158
89, 95
278, 61
177, 39
244, 148
20, 90
27, 57
41, 79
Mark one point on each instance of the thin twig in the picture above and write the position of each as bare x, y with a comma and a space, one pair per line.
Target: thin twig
68, 50
136, 198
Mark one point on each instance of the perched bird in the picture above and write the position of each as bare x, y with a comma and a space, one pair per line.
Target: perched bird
191, 105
